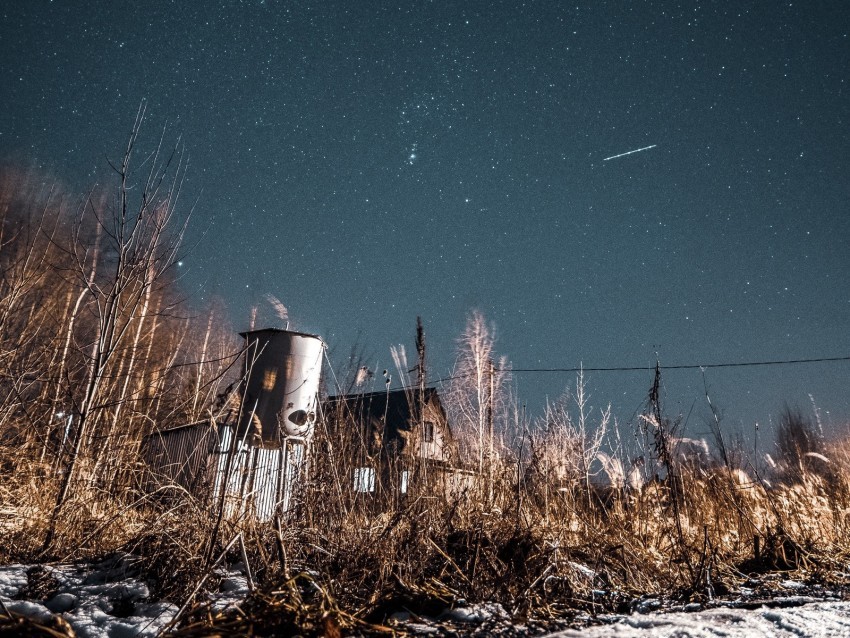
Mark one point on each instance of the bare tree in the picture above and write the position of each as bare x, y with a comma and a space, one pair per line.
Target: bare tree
142, 246
478, 397
566, 441
32, 306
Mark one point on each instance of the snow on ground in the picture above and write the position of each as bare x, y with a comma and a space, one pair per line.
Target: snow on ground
97, 601
813, 620
232, 590
101, 600
107, 600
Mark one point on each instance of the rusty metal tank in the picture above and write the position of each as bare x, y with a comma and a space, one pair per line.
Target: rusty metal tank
280, 391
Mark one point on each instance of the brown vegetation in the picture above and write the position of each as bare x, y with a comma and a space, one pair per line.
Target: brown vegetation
96, 351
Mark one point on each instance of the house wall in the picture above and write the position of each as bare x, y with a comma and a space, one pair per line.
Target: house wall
438, 449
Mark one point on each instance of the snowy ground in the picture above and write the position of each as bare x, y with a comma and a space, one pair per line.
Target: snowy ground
100, 600
108, 600
812, 620
103, 600
806, 620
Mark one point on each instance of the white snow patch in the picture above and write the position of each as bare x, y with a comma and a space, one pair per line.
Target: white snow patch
815, 620
29, 609
475, 613
13, 578
97, 601
232, 591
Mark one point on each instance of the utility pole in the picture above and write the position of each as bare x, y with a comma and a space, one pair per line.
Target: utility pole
490, 400
420, 351
420, 367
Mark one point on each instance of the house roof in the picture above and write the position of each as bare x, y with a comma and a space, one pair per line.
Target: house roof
394, 408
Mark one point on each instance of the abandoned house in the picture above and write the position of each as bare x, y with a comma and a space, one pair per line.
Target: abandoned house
395, 439
252, 461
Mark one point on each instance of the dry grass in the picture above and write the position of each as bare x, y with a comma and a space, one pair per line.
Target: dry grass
534, 531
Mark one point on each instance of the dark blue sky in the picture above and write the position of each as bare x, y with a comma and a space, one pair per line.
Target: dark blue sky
368, 163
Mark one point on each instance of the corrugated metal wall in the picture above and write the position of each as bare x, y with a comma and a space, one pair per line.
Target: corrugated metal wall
182, 457
254, 482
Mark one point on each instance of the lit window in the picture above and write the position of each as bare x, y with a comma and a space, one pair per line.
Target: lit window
364, 479
269, 379
405, 477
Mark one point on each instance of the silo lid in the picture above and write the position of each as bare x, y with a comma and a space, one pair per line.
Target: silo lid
247, 333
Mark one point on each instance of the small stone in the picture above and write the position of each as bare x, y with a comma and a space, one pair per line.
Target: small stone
648, 606
61, 603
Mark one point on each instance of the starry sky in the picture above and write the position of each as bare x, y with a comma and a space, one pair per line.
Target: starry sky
368, 162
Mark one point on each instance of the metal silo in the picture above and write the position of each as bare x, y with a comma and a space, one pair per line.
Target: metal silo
281, 387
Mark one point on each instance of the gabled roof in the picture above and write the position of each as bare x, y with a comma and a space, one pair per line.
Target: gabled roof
395, 408
388, 423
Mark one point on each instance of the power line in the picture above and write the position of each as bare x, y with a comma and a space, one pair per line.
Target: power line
690, 366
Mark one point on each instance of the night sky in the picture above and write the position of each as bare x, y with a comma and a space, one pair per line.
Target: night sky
367, 163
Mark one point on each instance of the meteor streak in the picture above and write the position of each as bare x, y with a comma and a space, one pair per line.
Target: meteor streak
637, 150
